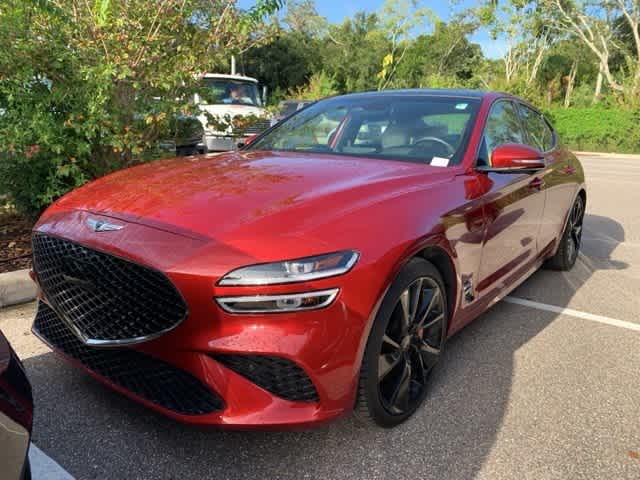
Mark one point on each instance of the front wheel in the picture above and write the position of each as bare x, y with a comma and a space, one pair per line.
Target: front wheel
404, 345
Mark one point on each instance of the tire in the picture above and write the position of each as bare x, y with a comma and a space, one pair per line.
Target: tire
186, 151
402, 349
567, 254
26, 470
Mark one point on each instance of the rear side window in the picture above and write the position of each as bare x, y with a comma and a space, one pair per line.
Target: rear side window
539, 134
503, 126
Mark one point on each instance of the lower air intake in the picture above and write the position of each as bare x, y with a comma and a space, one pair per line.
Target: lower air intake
152, 379
277, 375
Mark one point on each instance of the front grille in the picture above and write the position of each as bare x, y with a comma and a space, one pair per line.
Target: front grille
157, 381
106, 298
258, 126
277, 375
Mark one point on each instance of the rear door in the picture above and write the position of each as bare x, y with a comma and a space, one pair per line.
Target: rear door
513, 206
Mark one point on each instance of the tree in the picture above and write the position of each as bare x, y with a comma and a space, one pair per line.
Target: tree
398, 19
291, 57
594, 23
353, 51
89, 87
526, 34
301, 16
446, 53
286, 62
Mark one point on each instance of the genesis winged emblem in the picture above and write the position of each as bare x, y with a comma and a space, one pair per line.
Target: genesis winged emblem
102, 226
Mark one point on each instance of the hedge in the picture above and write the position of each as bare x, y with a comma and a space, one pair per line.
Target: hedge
598, 128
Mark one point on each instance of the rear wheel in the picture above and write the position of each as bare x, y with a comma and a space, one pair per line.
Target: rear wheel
405, 344
565, 257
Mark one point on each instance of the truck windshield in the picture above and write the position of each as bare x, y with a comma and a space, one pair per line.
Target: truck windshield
218, 91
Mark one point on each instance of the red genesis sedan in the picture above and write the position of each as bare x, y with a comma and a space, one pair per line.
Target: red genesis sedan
318, 270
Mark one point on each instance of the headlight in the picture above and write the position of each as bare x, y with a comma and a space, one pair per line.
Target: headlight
299, 270
293, 302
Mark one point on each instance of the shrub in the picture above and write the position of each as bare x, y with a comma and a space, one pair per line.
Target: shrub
598, 128
90, 87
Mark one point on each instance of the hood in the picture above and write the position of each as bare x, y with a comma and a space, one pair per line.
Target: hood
249, 192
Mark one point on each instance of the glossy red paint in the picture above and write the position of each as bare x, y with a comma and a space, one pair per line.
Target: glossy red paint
250, 138
197, 218
516, 156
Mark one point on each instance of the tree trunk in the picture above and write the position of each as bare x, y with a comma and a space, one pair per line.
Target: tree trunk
598, 90
570, 82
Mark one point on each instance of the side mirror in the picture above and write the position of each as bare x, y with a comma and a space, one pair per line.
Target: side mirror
264, 95
514, 158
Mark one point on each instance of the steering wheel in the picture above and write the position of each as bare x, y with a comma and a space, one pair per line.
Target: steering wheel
447, 145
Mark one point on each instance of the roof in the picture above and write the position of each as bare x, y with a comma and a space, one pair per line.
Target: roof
230, 77
434, 92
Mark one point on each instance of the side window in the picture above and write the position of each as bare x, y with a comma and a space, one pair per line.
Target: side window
503, 126
539, 133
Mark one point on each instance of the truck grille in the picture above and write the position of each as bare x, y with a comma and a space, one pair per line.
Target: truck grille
258, 126
143, 375
103, 298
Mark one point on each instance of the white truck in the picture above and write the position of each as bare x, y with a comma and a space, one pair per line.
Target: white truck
230, 96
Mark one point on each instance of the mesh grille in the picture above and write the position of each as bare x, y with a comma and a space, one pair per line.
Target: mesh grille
150, 378
276, 375
105, 297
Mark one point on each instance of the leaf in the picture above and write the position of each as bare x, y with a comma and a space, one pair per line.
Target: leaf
103, 11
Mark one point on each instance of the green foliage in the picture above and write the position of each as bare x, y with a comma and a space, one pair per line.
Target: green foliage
353, 52
90, 87
320, 86
598, 128
285, 63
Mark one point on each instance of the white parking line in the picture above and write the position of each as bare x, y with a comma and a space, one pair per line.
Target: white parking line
44, 467
574, 313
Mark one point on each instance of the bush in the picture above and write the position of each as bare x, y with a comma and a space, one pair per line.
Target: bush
598, 128
90, 87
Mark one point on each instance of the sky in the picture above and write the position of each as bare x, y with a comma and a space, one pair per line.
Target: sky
338, 10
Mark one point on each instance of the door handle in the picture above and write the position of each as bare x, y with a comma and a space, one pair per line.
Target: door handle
536, 183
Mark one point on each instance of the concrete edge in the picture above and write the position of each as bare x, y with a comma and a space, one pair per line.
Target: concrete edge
16, 287
631, 156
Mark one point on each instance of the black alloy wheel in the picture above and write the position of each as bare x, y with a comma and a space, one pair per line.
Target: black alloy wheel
567, 254
405, 344
575, 229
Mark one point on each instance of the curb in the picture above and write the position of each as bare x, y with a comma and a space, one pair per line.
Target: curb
630, 156
16, 287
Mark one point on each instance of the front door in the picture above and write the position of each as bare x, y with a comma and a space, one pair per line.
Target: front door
513, 207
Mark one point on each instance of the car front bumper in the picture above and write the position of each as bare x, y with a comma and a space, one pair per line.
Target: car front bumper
216, 143
217, 368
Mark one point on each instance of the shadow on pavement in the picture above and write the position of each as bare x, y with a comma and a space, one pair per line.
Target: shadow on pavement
96, 433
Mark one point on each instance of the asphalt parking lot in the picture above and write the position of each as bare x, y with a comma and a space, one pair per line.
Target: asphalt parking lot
547, 387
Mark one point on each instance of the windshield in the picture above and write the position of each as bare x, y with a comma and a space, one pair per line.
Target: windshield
415, 128
218, 91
